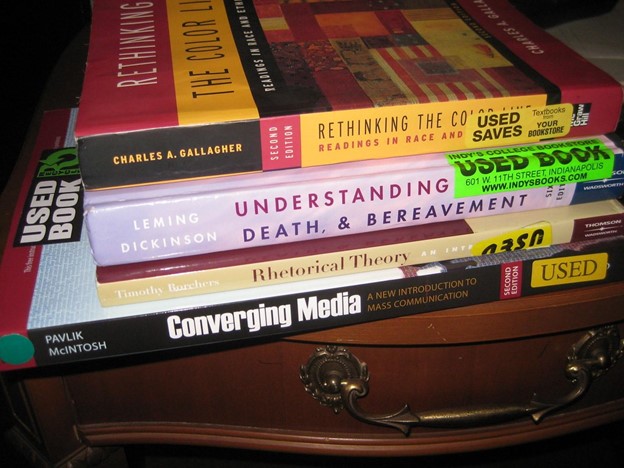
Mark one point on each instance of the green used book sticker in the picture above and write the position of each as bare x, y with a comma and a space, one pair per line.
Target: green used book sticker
508, 169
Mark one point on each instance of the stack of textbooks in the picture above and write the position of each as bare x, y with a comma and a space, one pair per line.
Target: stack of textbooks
254, 168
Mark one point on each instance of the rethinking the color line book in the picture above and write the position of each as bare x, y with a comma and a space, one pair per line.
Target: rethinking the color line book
176, 90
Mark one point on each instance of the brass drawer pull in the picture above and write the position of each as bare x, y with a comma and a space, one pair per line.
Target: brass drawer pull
337, 379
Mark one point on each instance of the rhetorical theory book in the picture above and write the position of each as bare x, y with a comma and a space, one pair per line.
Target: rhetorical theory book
177, 90
156, 221
330, 257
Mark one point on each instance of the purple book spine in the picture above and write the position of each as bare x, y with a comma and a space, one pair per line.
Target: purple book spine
189, 218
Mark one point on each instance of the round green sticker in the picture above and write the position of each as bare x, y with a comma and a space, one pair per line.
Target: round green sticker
16, 349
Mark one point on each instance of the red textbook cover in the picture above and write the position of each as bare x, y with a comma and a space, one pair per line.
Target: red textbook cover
174, 91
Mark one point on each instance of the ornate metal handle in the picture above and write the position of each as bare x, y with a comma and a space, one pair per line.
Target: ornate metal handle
338, 379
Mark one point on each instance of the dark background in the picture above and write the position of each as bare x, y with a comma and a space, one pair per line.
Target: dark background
34, 34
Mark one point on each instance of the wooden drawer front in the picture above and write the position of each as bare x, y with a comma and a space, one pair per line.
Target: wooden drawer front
253, 396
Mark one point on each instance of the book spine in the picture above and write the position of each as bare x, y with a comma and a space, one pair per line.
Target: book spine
399, 292
182, 221
260, 122
304, 263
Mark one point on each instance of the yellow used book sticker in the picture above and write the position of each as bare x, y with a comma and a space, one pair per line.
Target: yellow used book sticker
529, 237
568, 270
518, 126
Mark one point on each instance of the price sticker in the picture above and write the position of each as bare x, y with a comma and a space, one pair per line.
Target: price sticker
518, 126
530, 237
516, 168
